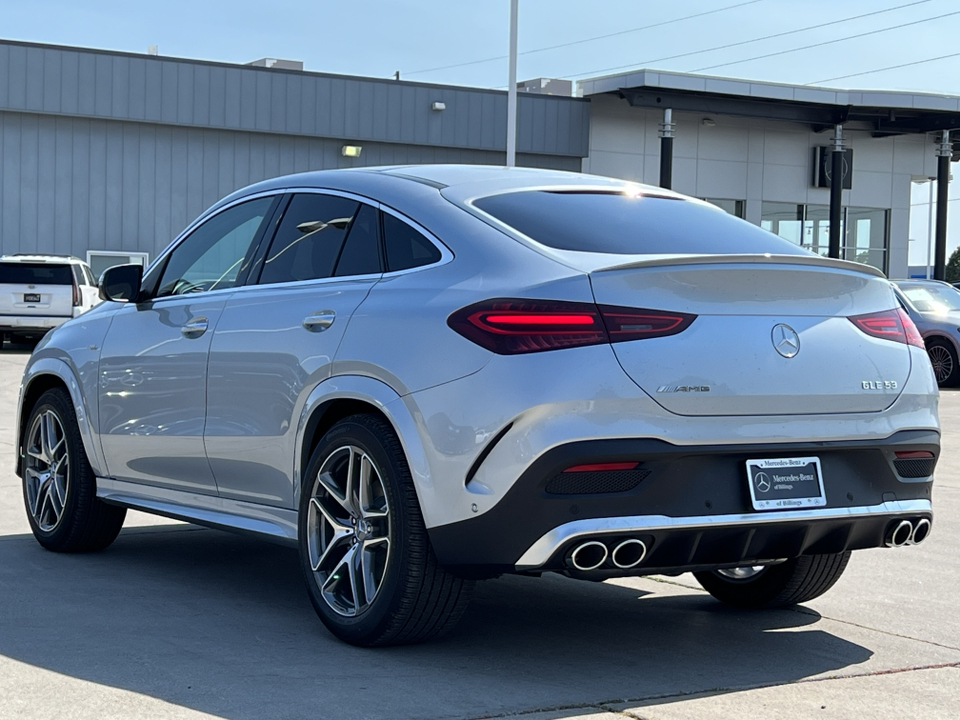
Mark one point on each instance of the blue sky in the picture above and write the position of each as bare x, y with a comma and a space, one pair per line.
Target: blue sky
379, 37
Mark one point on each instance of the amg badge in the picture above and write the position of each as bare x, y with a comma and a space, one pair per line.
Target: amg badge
683, 388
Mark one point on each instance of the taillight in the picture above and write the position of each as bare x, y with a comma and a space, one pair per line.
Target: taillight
629, 324
513, 326
893, 325
76, 294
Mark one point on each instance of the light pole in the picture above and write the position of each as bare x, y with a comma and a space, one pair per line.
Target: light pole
512, 89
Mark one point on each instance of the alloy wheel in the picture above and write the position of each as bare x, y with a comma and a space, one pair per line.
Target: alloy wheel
348, 530
747, 572
47, 470
942, 362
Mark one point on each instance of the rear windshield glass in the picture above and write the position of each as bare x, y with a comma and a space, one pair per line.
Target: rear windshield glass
607, 222
35, 274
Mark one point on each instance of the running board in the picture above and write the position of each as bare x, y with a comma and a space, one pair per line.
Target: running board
271, 523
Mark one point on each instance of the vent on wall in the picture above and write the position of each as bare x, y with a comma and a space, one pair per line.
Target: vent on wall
277, 64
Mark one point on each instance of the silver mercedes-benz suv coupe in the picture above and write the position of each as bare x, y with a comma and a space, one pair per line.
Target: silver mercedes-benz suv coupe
426, 376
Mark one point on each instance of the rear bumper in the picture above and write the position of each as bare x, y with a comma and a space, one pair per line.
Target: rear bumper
28, 323
692, 507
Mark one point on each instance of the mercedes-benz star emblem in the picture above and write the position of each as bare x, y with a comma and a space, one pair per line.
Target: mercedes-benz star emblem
785, 340
762, 481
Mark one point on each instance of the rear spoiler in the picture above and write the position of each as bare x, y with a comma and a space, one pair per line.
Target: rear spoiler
757, 258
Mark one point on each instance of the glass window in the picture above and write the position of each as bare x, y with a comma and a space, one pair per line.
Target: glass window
733, 207
88, 276
212, 256
406, 248
35, 274
865, 240
361, 251
940, 299
863, 231
308, 241
608, 222
816, 229
783, 219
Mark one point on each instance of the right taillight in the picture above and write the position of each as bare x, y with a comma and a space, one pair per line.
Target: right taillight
510, 326
893, 325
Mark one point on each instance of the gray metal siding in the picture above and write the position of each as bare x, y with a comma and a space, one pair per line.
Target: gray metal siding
78, 82
74, 184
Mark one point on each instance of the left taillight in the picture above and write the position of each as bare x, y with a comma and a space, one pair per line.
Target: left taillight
893, 325
76, 294
513, 326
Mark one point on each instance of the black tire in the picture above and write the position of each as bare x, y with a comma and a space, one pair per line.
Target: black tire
943, 357
412, 598
63, 509
789, 583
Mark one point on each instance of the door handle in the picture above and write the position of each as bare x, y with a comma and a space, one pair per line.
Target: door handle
319, 321
194, 328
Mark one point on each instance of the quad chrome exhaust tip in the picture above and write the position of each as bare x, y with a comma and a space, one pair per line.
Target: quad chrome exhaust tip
900, 535
920, 531
629, 553
589, 555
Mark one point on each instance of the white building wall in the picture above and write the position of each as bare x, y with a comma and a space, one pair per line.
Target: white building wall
759, 160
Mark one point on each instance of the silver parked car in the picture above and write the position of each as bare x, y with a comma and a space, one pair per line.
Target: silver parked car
426, 376
934, 307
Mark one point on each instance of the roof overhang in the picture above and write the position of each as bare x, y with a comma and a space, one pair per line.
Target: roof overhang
882, 113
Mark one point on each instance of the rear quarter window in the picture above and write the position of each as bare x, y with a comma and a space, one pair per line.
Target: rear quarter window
35, 274
617, 223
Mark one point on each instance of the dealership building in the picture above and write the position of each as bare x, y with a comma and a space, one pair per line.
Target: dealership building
108, 155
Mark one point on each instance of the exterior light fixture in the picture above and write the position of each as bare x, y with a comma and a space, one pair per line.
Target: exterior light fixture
438, 106
351, 151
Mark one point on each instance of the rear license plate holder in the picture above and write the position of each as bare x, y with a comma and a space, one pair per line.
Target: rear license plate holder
785, 483
31, 297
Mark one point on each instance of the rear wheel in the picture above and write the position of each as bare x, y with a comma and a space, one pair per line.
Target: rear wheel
943, 357
59, 487
370, 571
788, 583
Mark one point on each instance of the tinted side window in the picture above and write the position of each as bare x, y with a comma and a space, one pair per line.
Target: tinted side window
361, 252
88, 275
308, 241
615, 222
212, 256
406, 248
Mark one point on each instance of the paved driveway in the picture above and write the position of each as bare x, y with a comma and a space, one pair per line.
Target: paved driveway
175, 621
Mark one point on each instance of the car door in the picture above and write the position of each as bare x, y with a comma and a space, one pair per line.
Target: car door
277, 339
153, 362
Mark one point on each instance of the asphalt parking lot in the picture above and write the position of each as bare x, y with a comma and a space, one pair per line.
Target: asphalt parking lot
176, 621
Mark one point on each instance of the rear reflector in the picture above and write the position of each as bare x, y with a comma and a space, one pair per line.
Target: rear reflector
893, 325
512, 326
913, 454
602, 467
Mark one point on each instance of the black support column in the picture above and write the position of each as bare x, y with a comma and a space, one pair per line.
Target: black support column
666, 149
836, 193
944, 153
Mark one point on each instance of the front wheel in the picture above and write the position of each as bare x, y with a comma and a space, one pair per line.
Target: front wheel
369, 568
59, 487
788, 583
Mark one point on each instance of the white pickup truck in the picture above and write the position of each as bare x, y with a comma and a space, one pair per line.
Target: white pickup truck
39, 292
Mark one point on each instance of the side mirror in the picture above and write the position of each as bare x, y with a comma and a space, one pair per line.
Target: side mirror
121, 283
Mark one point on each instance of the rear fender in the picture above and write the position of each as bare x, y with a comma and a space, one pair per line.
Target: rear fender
385, 399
